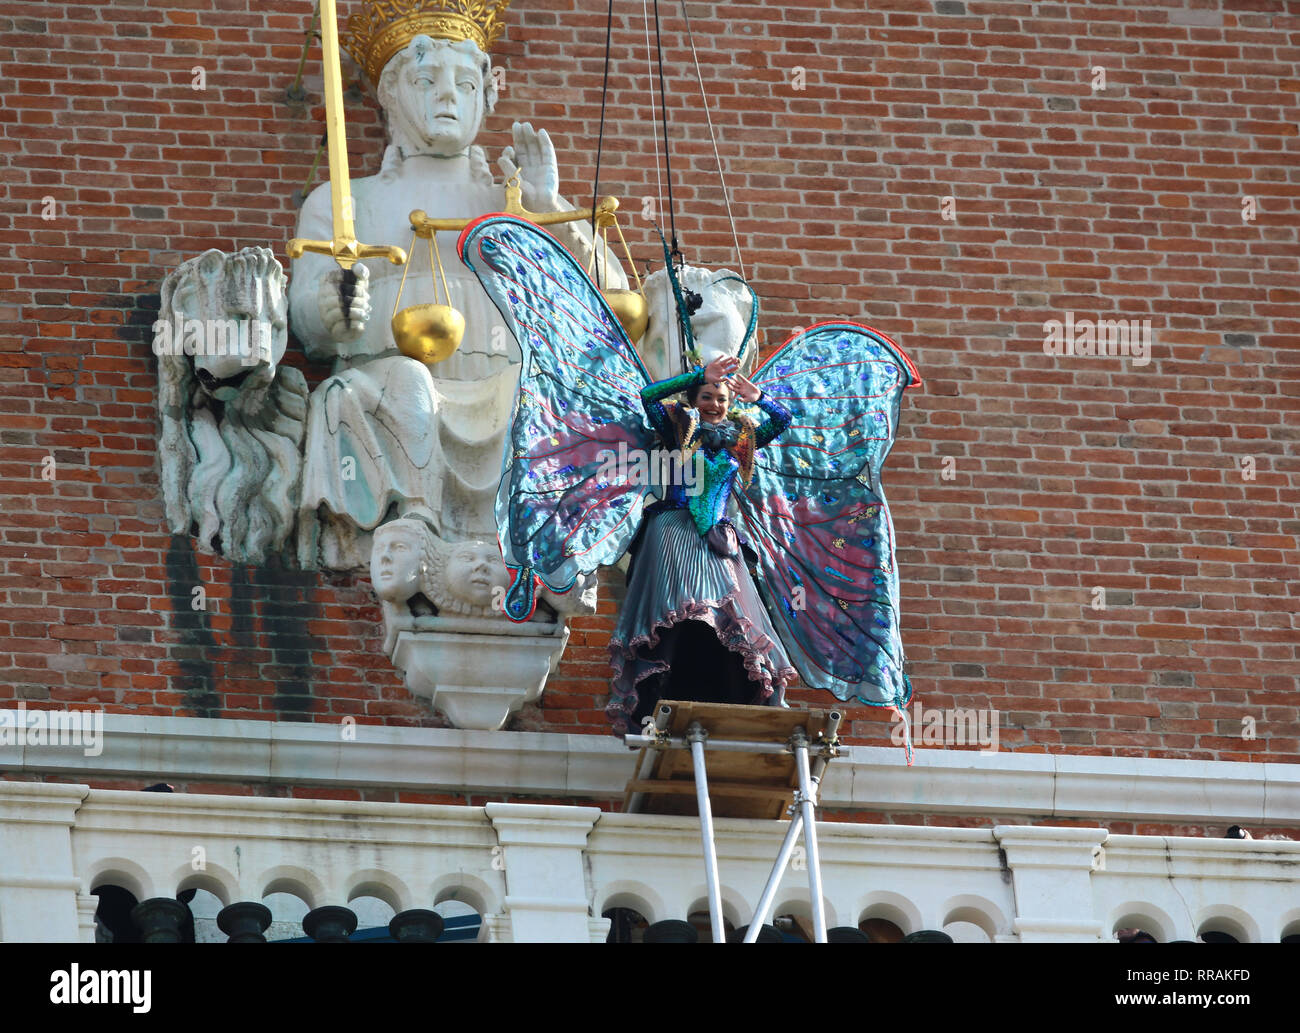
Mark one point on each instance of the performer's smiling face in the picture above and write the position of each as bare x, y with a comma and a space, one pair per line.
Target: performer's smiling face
713, 401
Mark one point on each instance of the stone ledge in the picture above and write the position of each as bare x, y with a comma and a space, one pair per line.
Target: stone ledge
596, 767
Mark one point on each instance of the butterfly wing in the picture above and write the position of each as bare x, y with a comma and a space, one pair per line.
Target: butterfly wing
566, 504
815, 510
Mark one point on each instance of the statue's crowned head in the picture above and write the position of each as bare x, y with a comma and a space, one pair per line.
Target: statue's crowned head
428, 62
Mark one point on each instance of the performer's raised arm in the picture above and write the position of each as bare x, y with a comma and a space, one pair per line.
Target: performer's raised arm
652, 396
778, 416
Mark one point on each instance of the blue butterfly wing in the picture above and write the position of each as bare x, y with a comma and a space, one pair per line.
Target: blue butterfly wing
816, 514
565, 505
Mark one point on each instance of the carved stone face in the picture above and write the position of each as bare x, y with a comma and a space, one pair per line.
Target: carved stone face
474, 572
437, 101
396, 567
229, 312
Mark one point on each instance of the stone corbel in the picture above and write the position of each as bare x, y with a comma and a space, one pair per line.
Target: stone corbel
445, 628
476, 671
1052, 869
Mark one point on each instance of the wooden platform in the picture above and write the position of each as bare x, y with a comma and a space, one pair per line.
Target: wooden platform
741, 785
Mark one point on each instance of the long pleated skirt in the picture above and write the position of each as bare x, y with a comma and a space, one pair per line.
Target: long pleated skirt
693, 627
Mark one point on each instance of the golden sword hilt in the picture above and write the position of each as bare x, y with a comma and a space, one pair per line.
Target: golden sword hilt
346, 251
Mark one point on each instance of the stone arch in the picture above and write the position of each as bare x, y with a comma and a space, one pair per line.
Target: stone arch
217, 880
1288, 923
123, 872
385, 886
468, 889
733, 904
799, 902
1225, 918
1137, 914
637, 896
977, 911
298, 882
893, 907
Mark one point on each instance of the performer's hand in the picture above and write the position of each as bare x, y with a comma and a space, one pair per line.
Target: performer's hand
717, 371
743, 388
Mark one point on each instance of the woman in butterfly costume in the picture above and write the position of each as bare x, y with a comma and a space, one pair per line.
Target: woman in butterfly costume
810, 504
693, 625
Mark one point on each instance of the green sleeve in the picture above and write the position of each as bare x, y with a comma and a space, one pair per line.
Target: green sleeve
663, 388
651, 401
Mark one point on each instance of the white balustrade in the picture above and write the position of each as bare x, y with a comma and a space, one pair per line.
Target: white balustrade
541, 872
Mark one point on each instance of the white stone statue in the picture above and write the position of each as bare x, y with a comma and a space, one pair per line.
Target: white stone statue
390, 464
718, 325
232, 418
387, 435
402, 460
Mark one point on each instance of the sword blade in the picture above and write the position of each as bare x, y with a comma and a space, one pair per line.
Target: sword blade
340, 182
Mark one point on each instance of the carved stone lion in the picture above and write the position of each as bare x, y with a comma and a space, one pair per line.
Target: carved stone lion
232, 421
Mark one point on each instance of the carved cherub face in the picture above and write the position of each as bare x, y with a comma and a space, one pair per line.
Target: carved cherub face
474, 572
397, 562
435, 99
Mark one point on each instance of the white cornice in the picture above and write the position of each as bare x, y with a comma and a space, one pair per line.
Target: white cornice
596, 767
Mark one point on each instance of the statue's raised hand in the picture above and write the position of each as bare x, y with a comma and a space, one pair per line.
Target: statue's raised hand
533, 157
341, 326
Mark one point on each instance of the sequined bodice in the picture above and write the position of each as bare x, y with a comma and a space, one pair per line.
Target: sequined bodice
705, 486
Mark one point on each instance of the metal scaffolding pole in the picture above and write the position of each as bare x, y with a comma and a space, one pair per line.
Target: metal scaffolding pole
782, 859
696, 735
653, 782
774, 880
808, 802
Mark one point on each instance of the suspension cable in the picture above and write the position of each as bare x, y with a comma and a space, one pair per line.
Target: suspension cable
600, 142
726, 194
654, 115
668, 156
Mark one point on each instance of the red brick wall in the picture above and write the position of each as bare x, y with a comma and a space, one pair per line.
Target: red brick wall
1067, 474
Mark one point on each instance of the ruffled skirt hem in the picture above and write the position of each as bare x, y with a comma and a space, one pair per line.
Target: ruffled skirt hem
690, 583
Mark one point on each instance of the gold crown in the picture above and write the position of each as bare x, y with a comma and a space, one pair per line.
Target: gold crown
385, 27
